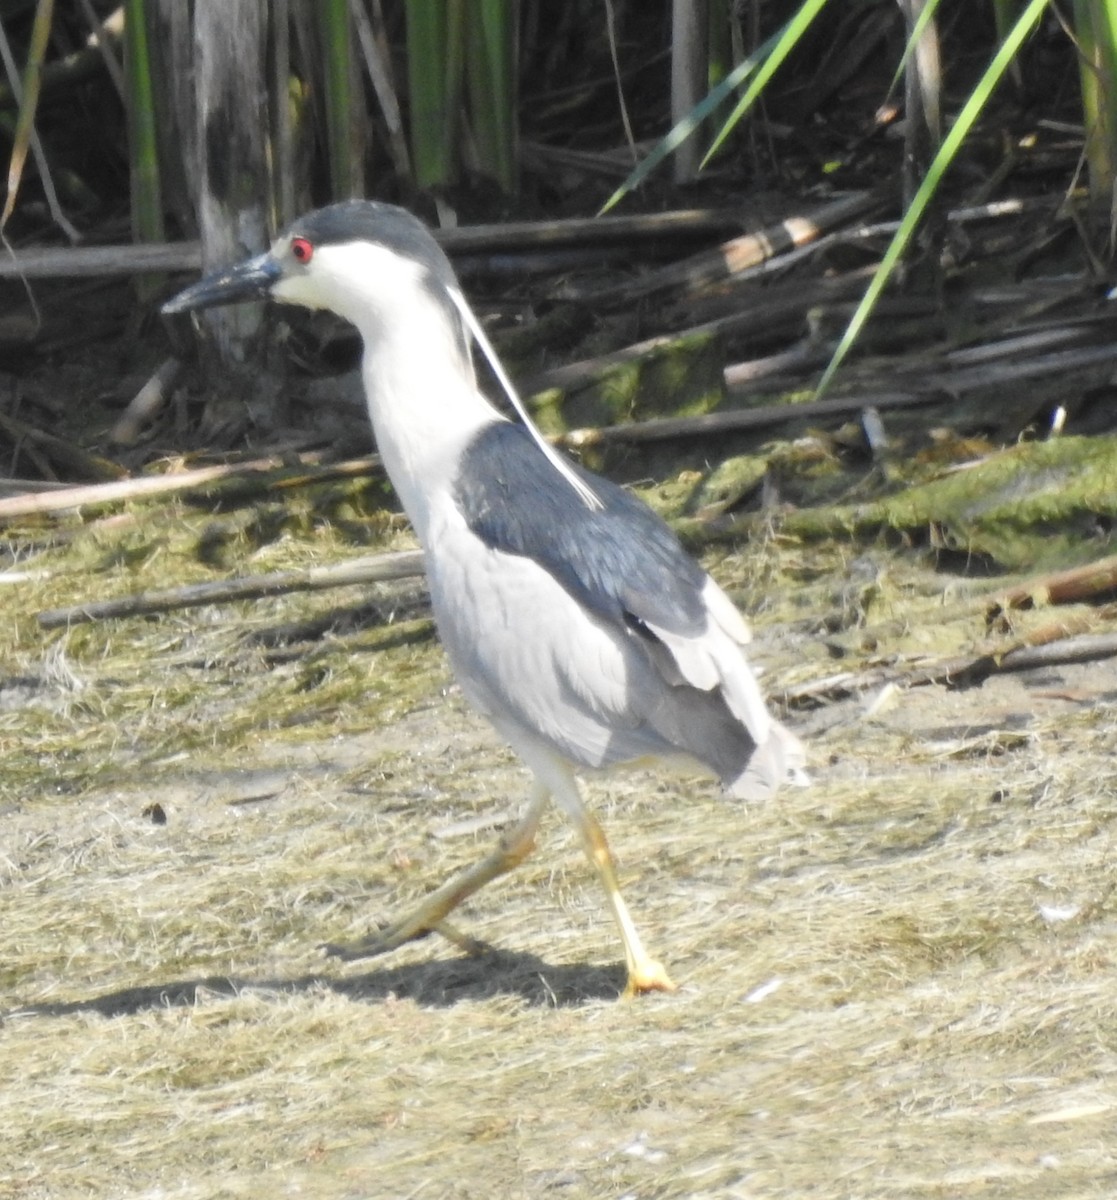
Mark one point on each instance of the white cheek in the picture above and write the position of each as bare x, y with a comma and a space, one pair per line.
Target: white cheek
299, 289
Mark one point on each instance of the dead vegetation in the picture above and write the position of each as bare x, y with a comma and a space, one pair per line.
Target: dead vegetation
898, 982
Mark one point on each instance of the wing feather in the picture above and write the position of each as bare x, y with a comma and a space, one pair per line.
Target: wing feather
633, 648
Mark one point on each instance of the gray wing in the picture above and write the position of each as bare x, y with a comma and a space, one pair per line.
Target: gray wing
593, 630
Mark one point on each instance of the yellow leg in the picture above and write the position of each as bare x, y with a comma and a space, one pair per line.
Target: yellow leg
645, 974
514, 846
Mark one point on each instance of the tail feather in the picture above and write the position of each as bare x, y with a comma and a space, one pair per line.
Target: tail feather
752, 752
716, 660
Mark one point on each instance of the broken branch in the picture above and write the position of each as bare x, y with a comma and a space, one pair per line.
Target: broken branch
377, 568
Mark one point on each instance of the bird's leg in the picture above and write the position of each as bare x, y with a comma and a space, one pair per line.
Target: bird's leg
514, 846
645, 974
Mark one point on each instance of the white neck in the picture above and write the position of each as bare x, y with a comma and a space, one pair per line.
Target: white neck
422, 394
423, 402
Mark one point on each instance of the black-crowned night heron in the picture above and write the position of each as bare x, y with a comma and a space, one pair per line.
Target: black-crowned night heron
573, 618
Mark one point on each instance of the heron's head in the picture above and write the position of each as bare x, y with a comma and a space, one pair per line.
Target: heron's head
360, 259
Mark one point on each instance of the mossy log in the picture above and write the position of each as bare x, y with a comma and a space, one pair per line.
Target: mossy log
1034, 504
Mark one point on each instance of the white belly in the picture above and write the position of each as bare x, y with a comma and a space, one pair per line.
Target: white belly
529, 657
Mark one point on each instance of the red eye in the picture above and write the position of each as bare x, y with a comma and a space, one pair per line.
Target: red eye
302, 250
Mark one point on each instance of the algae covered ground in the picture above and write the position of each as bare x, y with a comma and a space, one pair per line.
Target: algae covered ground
898, 982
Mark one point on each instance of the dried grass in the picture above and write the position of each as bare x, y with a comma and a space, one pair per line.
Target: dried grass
896, 983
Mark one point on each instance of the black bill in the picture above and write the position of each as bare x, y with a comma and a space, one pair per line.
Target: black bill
249, 280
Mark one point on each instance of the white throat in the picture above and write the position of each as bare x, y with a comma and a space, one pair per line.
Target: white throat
425, 409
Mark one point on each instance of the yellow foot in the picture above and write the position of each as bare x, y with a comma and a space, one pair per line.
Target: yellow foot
391, 937
648, 976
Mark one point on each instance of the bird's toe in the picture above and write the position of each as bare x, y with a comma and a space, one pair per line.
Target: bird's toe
648, 976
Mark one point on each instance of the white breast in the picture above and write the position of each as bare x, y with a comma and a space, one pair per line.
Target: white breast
525, 653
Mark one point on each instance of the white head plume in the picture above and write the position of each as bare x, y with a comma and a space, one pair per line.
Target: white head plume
588, 495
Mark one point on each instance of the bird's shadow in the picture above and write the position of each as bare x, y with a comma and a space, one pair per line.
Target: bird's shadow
438, 983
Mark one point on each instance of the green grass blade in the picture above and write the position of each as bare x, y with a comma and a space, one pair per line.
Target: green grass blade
692, 121
333, 17
926, 16
971, 110
787, 40
29, 102
1095, 28
143, 141
1105, 23
1004, 15
492, 87
435, 56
